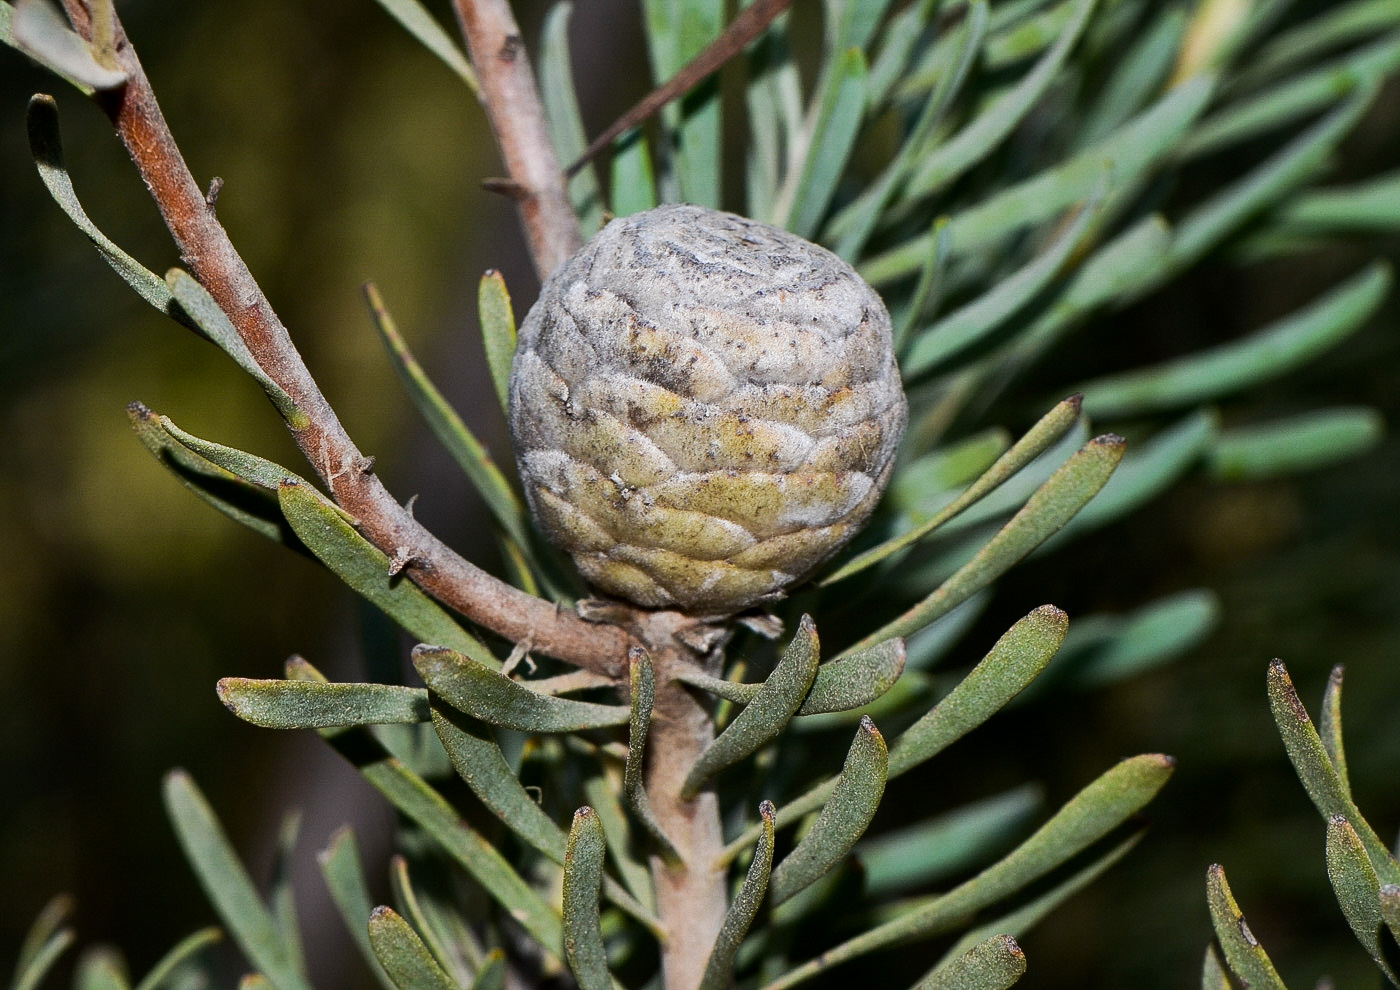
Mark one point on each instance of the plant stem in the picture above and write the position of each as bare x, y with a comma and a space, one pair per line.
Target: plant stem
517, 118
210, 256
691, 899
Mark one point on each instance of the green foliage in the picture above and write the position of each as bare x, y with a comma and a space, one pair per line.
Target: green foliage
1365, 875
990, 249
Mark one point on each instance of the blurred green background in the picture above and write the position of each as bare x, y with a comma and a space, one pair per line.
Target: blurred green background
349, 153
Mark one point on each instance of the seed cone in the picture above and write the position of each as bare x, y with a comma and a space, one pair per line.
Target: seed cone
703, 408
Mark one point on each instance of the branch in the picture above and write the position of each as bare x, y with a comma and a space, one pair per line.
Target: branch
210, 256
517, 118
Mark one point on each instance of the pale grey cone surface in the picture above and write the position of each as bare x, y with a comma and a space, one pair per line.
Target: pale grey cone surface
703, 408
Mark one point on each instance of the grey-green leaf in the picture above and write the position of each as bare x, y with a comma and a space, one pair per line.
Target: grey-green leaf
403, 955
1266, 354
472, 687
174, 963
1315, 769
38, 30
931, 850
1243, 953
566, 131
994, 964
45, 940
719, 968
477, 757
416, 20
843, 819
834, 133
46, 144
276, 704
226, 882
1017, 658
1213, 975
1295, 444
492, 974
583, 879
643, 686
1057, 501
497, 331
764, 717
101, 968
345, 879
1037, 439
992, 125
1357, 888
364, 568
1329, 726
840, 686
1087, 817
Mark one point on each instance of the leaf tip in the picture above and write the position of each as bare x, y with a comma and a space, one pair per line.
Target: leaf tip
766, 810
1075, 401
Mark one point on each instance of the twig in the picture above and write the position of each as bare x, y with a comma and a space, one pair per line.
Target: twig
210, 256
748, 25
517, 118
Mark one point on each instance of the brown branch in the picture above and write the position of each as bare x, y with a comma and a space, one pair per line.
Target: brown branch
210, 256
748, 25
517, 118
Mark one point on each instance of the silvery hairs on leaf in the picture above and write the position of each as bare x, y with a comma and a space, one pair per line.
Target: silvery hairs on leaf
703, 408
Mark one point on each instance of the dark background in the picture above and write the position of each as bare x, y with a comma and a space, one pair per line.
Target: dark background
349, 153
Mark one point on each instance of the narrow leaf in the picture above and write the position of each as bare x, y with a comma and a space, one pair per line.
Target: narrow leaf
719, 969
418, 920
1050, 428
1057, 501
47, 925
643, 688
276, 704
1127, 153
345, 879
497, 331
46, 144
1315, 769
992, 126
677, 31
1302, 158
282, 896
633, 185
932, 850
472, 687
492, 975
834, 133
843, 819
1358, 890
764, 717
1017, 658
403, 955
1021, 920
566, 132
416, 20
1089, 816
1293, 445
226, 882
978, 319
1295, 98
365, 569
840, 686
603, 793
1329, 726
1243, 953
174, 963
469, 453
994, 964
32, 971
1213, 975
583, 878
101, 968
1266, 354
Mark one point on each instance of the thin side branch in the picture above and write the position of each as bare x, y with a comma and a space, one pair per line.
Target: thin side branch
210, 256
751, 22
517, 118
